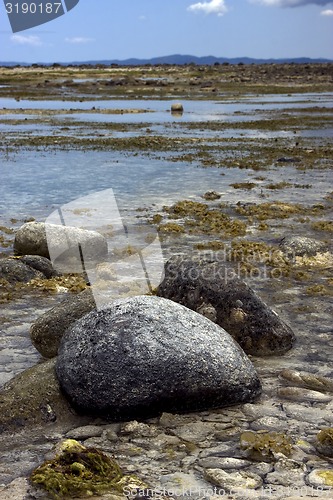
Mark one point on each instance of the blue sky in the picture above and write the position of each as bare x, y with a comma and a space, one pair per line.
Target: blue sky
120, 29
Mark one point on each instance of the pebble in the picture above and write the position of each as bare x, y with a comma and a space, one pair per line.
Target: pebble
85, 432
235, 481
308, 380
322, 478
300, 394
270, 424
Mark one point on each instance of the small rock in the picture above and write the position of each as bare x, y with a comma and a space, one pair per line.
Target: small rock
294, 246
322, 478
299, 394
234, 481
211, 195
41, 264
17, 489
194, 432
324, 442
47, 331
177, 107
308, 380
85, 432
224, 463
180, 485
14, 271
270, 424
25, 398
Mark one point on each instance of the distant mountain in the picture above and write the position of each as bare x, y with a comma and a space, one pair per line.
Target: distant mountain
180, 59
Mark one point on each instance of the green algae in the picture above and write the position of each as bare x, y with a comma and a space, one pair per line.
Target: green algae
324, 225
210, 245
319, 290
171, 227
264, 445
243, 185
200, 219
278, 210
278, 185
78, 472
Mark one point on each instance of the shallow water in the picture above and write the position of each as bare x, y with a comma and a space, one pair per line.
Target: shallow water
35, 183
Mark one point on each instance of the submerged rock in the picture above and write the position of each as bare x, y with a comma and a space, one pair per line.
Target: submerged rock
145, 355
34, 398
200, 282
46, 332
61, 243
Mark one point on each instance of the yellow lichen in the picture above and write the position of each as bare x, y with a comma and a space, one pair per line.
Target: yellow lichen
327, 475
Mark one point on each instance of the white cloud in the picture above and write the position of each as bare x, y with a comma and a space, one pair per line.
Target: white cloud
291, 3
327, 12
26, 40
212, 7
79, 39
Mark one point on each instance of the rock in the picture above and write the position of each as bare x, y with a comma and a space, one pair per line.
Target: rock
47, 331
61, 244
85, 432
322, 478
224, 463
146, 355
211, 196
270, 424
324, 442
308, 380
33, 398
177, 107
294, 246
41, 264
233, 481
181, 485
194, 280
300, 394
14, 271
17, 489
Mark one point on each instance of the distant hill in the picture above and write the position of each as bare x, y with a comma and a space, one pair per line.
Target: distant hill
179, 59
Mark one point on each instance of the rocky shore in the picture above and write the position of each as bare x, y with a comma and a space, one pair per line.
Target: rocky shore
168, 394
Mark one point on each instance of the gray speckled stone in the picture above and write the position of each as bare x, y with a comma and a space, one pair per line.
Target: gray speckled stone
145, 355
197, 282
300, 245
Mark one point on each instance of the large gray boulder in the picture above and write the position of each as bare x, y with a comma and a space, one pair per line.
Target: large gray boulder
66, 246
206, 286
47, 331
145, 355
